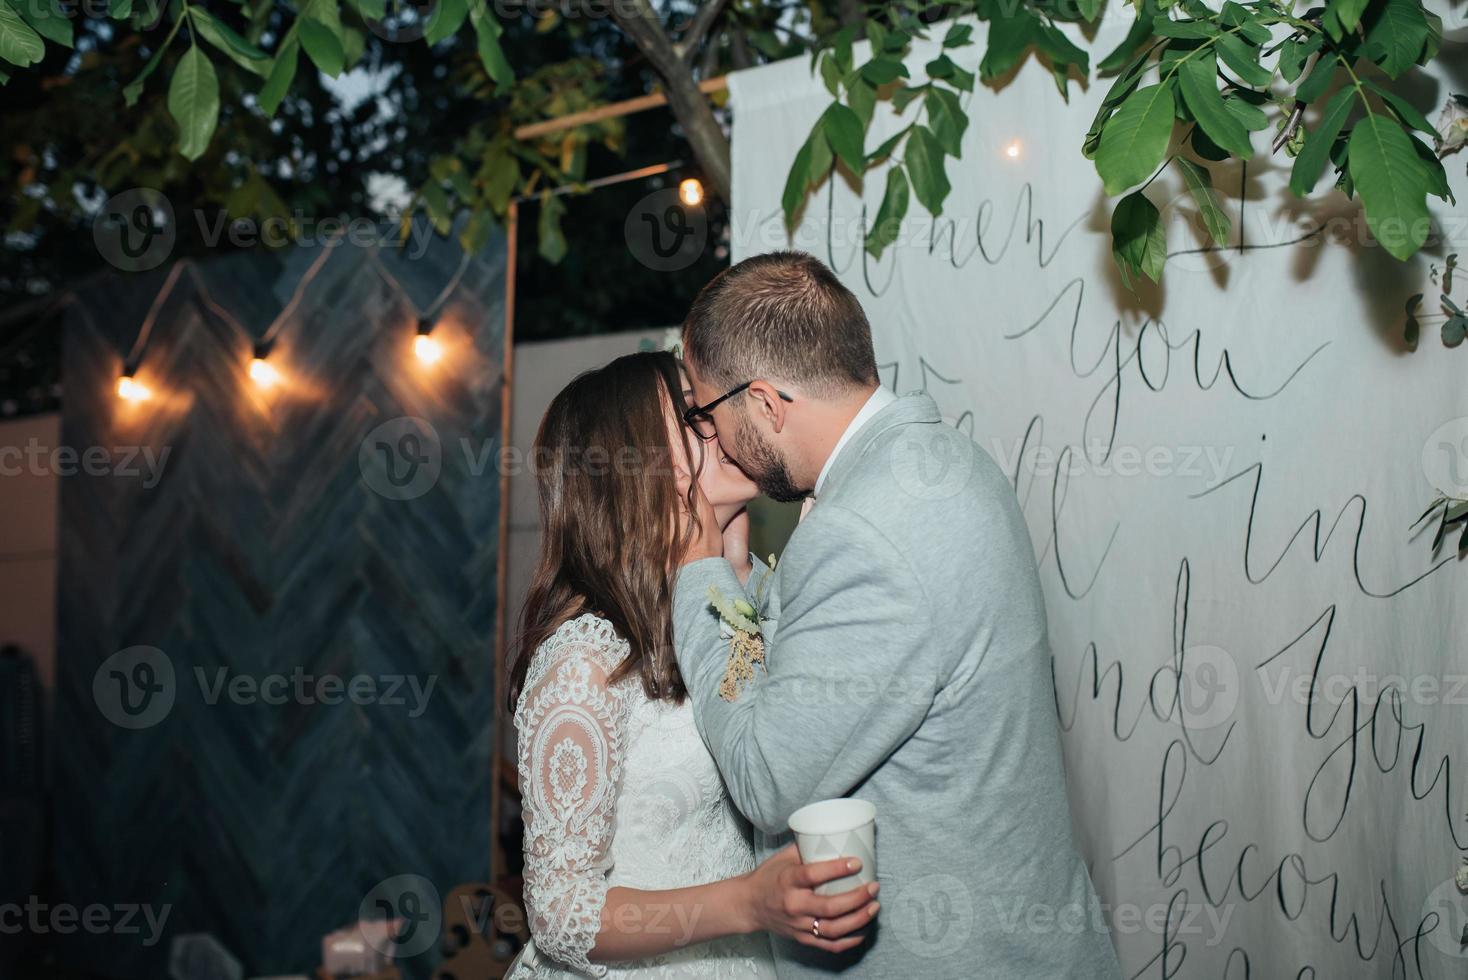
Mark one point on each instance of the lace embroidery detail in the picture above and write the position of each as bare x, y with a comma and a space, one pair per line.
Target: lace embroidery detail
618, 790
571, 723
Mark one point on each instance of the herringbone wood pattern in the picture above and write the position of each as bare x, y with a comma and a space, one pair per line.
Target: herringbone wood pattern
261, 550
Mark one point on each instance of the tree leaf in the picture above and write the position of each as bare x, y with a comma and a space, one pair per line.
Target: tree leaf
883, 71
1396, 39
282, 73
888, 223
193, 101
1135, 139
1319, 79
1243, 60
1318, 141
830, 74
1392, 183
1251, 116
1009, 38
323, 46
1164, 26
1121, 55
947, 119
847, 136
1348, 12
1197, 80
19, 44
1200, 184
958, 36
1138, 241
552, 246
925, 168
45, 19
487, 35
1409, 114
796, 183
1250, 27
448, 16
229, 42
863, 100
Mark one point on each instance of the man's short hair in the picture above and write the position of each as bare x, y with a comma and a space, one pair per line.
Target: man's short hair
781, 316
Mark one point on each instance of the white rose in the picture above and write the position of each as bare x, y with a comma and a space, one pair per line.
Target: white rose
1462, 879
1452, 124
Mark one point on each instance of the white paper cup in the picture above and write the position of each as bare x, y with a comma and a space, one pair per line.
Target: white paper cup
844, 828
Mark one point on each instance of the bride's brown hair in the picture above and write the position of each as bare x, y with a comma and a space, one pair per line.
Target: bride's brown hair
609, 507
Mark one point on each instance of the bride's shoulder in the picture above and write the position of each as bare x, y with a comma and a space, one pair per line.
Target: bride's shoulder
585, 644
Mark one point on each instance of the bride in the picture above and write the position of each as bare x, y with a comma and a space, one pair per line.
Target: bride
636, 862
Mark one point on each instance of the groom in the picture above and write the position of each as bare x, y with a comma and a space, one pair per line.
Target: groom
909, 665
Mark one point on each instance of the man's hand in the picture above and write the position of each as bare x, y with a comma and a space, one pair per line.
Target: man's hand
707, 540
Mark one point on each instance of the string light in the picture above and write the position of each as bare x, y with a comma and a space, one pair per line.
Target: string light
690, 191
1012, 150
429, 351
262, 372
130, 389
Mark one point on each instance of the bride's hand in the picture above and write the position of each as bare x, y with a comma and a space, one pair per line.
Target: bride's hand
780, 898
707, 540
736, 545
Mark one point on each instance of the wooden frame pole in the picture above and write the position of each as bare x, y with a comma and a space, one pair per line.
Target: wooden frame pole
613, 110
497, 860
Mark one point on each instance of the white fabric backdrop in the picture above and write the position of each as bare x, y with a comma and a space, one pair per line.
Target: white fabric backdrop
1219, 478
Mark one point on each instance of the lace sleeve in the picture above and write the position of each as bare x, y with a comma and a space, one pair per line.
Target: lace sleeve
570, 723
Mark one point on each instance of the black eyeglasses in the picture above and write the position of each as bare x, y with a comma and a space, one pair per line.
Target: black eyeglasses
700, 417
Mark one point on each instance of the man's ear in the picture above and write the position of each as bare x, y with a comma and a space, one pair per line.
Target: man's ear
768, 404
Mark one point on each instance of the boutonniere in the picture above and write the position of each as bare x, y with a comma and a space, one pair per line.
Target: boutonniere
746, 641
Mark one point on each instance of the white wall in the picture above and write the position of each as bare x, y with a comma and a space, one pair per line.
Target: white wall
28, 514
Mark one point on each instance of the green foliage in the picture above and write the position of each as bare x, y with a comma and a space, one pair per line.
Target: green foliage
1187, 76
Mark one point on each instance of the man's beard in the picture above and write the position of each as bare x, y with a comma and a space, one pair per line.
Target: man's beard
765, 466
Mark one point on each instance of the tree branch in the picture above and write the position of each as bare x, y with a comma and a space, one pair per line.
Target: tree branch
698, 28
690, 106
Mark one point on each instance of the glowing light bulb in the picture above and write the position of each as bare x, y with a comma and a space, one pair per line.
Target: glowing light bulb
690, 192
131, 390
1012, 150
263, 373
429, 351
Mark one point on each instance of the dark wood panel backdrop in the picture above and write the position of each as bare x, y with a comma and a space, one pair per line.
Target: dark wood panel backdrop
273, 541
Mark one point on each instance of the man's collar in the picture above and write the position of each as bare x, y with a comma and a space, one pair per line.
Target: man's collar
878, 400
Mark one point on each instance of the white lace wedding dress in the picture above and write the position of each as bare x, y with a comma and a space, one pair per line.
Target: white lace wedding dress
618, 790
